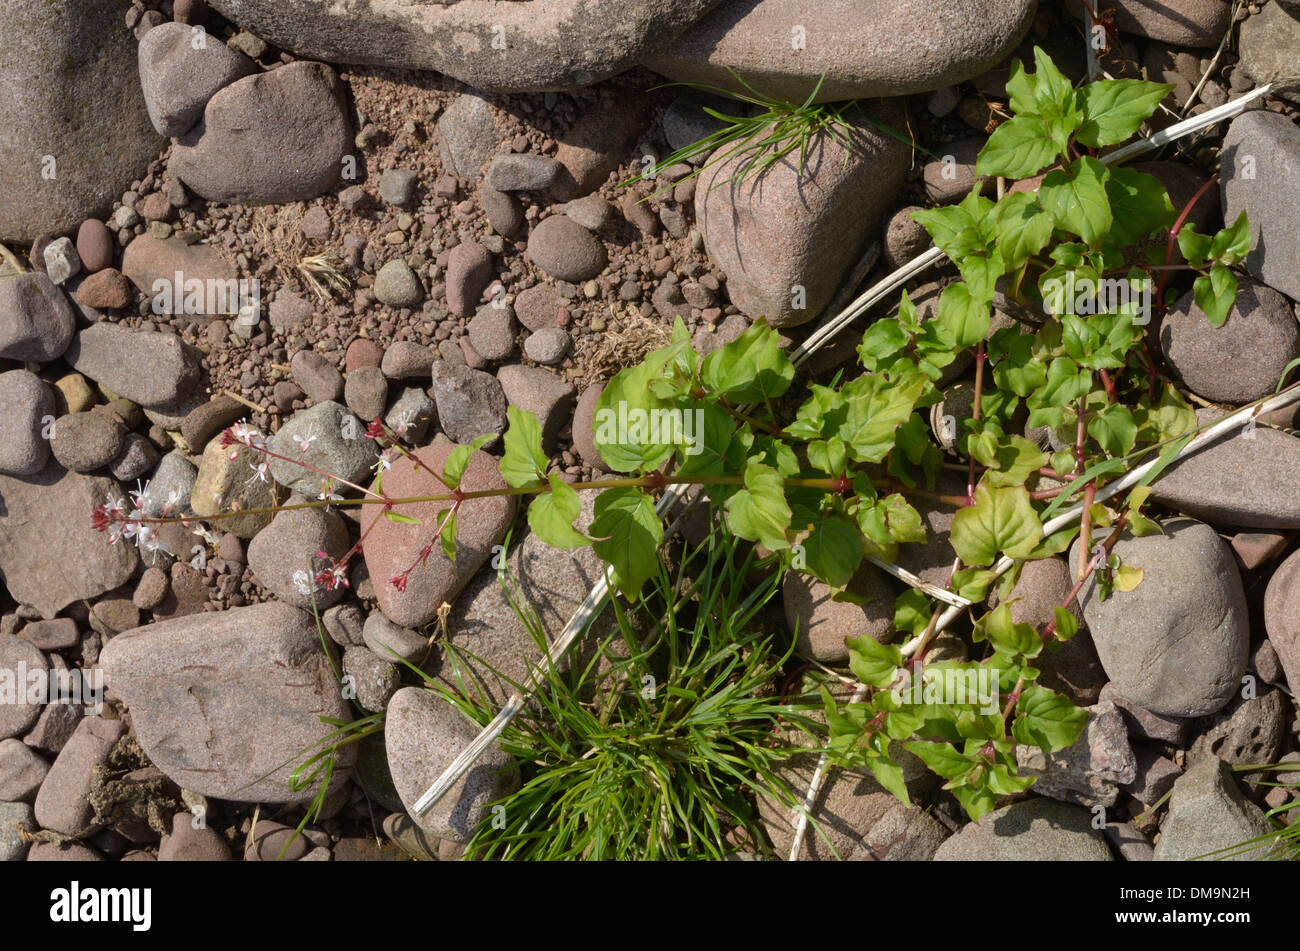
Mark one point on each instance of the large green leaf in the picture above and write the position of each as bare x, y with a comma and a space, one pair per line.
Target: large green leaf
750, 369
1017, 148
1002, 521
523, 463
628, 534
1076, 199
759, 511
1114, 108
551, 515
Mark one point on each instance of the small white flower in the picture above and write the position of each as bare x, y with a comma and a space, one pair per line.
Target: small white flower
384, 462
261, 472
304, 440
327, 493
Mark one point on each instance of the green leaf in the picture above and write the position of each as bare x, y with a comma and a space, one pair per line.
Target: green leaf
874, 409
1065, 383
1047, 720
942, 758
1077, 201
524, 463
873, 663
1008, 638
551, 516
1018, 148
1215, 294
833, 551
912, 611
1014, 458
624, 413
1067, 625
1114, 108
447, 537
1016, 370
1002, 521
750, 369
759, 511
1114, 429
458, 459
965, 316
1195, 247
1139, 204
905, 523
889, 775
1022, 228
401, 519
628, 534
1232, 244
715, 450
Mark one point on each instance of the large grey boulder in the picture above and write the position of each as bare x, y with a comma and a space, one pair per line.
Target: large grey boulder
1261, 176
221, 700
1032, 830
1177, 644
865, 47
508, 47
74, 131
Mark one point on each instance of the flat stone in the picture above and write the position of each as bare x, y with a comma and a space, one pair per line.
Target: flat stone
179, 75
287, 555
412, 415
84, 442
470, 403
373, 679
1090, 771
190, 843
1208, 812
467, 135
545, 394
1032, 830
423, 734
1268, 41
393, 547
194, 279
366, 392
538, 307
1261, 176
63, 801
50, 512
150, 369
220, 699
317, 376
821, 622
29, 408
1177, 644
270, 138
865, 49
565, 250
21, 771
492, 332
1196, 23
230, 480
36, 321
510, 172
69, 93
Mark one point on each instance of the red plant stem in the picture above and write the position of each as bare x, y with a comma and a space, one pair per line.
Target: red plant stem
1109, 384
1173, 234
407, 454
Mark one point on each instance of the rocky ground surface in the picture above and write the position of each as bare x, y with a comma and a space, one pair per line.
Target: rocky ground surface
433, 247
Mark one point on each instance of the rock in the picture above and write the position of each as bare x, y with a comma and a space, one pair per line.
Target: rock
55, 634
136, 459
1071, 668
68, 852
510, 172
21, 771
1261, 176
288, 311
24, 667
276, 842
397, 286
168, 492
412, 415
864, 50
328, 437
320, 380
391, 642
29, 406
1154, 777
492, 332
220, 699
549, 346
1244, 732
1030, 830
373, 679
1240, 361
393, 547
409, 837
828, 212
1176, 644
469, 271
1207, 812
36, 322
539, 306
94, 245
179, 76
491, 647
61, 261
194, 279
584, 435
366, 392
951, 177
1180, 22
549, 44
397, 186
232, 479
289, 554
208, 419
546, 395
820, 622
565, 250
1282, 615
13, 817
150, 369
1168, 732
592, 212
84, 442
1091, 770
269, 138
1268, 41
470, 403
1244, 478
343, 623
63, 801
424, 733
151, 590
71, 108
467, 135
108, 289
50, 512
406, 360
505, 213
188, 843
